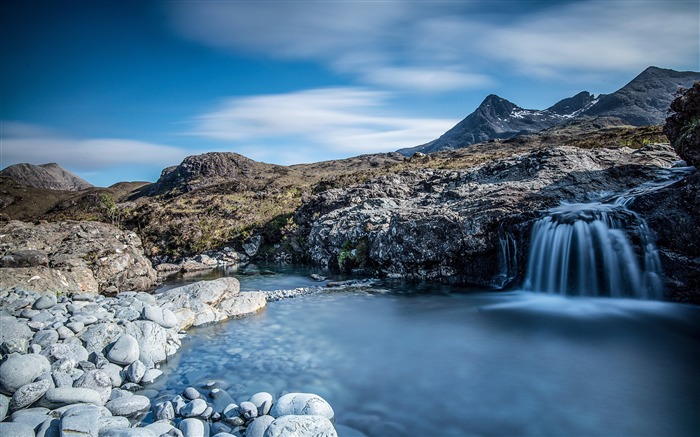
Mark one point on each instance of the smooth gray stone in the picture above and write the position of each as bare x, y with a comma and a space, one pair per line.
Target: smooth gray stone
248, 410
97, 380
50, 427
131, 386
219, 427
11, 328
194, 408
127, 313
301, 404
4, 406
19, 370
192, 427
34, 349
28, 394
60, 410
59, 351
107, 422
28, 313
45, 301
160, 427
64, 332
263, 400
164, 411
221, 399
61, 379
76, 327
60, 396
119, 393
97, 337
114, 372
30, 416
292, 425
155, 342
128, 432
124, 351
191, 393
15, 345
258, 426
10, 429
81, 421
150, 376
80, 352
135, 371
86, 319
129, 406
178, 404
45, 337
162, 316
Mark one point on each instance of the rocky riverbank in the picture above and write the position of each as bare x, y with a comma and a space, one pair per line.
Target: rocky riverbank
81, 365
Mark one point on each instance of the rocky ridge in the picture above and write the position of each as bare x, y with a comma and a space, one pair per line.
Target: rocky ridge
49, 176
643, 101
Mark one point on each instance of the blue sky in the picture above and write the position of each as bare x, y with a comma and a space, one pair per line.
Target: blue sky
118, 90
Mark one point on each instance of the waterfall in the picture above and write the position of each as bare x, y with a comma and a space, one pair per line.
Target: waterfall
507, 258
585, 250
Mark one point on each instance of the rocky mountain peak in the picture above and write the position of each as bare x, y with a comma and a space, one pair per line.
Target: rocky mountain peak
48, 176
496, 106
573, 104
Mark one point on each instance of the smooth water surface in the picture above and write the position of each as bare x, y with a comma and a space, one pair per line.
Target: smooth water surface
394, 362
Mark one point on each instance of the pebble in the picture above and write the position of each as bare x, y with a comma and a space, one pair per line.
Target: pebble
258, 426
107, 422
45, 301
192, 427
97, 380
64, 332
125, 351
129, 406
60, 396
151, 375
28, 394
127, 432
164, 411
191, 393
45, 337
194, 408
135, 371
76, 327
81, 421
248, 410
263, 401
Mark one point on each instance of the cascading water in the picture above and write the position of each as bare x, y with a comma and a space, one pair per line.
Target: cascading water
597, 249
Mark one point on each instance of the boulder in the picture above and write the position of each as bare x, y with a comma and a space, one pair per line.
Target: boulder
19, 370
29, 393
124, 351
290, 426
155, 343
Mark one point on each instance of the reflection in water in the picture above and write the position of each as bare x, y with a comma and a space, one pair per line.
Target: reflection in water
464, 363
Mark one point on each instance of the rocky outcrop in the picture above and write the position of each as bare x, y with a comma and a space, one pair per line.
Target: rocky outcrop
683, 126
454, 225
50, 176
74, 257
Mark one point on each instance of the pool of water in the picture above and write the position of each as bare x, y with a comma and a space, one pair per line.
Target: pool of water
402, 359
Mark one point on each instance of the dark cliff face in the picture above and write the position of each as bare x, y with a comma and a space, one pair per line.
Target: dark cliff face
642, 102
48, 176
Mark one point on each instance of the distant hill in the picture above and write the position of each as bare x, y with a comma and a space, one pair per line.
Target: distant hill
48, 176
642, 102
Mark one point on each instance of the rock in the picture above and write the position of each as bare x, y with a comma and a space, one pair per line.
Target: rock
19, 370
302, 404
156, 343
50, 427
191, 393
4, 406
162, 316
290, 426
164, 411
115, 374
248, 410
124, 351
194, 408
128, 432
15, 345
129, 406
28, 394
263, 401
96, 337
252, 246
64, 332
24, 258
221, 399
61, 379
83, 256
81, 421
97, 380
210, 301
13, 329
77, 327
45, 337
118, 422
61, 396
45, 301
10, 429
192, 427
135, 371
682, 127
161, 427
258, 426
151, 375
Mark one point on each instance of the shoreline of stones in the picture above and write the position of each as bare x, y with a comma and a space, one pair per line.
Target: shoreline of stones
81, 365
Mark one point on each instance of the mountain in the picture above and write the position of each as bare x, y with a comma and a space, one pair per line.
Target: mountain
644, 101
49, 176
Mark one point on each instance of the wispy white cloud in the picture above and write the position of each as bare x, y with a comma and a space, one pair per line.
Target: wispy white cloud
348, 120
443, 46
22, 142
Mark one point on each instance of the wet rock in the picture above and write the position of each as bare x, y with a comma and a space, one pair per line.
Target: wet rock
194, 408
288, 426
301, 404
164, 411
19, 370
124, 351
263, 401
191, 393
28, 394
